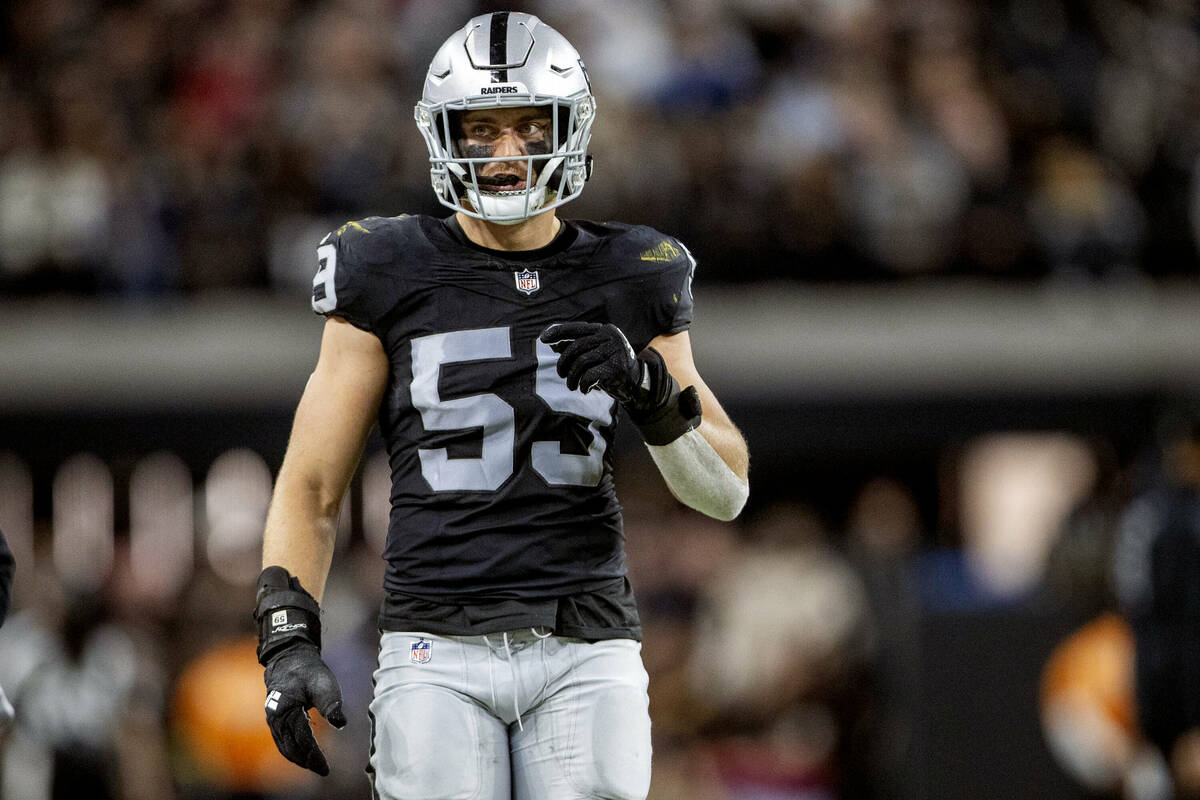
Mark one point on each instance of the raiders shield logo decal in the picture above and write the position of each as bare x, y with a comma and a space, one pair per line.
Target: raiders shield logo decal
527, 281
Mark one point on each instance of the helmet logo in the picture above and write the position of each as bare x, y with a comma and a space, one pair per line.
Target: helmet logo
501, 89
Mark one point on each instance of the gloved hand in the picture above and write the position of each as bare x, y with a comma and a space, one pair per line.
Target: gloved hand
297, 680
595, 355
289, 646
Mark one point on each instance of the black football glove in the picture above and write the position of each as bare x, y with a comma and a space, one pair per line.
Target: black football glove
289, 646
594, 355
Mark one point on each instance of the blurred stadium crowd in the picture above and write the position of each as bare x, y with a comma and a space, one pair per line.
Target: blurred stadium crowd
789, 652
178, 145
168, 147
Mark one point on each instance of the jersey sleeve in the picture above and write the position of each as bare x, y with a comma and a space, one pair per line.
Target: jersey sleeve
661, 290
673, 307
349, 261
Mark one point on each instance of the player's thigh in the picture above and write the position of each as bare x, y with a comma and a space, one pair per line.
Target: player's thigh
591, 737
431, 741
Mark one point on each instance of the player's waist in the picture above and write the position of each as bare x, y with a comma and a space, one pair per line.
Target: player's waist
598, 609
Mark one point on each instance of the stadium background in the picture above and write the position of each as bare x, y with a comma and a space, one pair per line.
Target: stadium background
947, 286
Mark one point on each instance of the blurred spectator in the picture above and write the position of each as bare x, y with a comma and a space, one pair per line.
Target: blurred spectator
631, 44
173, 146
1011, 494
779, 650
89, 698
883, 535
226, 749
339, 118
1079, 563
1087, 222
1090, 717
1157, 570
673, 553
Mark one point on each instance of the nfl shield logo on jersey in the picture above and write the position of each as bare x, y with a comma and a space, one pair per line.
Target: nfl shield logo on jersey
419, 652
527, 281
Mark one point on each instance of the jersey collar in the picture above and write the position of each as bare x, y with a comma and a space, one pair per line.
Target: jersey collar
566, 237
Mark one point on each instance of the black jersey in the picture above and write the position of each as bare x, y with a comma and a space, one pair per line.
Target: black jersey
502, 483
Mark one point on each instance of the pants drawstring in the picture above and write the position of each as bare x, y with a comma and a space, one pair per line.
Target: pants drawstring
513, 669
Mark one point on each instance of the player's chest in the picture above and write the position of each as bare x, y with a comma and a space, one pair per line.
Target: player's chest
466, 357
521, 299
477, 331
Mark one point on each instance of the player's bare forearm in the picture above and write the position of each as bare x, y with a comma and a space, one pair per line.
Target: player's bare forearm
715, 425
331, 425
706, 468
299, 536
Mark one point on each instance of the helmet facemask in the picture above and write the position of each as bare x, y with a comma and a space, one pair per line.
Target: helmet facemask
549, 172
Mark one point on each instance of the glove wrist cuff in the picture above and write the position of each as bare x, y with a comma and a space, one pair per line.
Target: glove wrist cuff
661, 411
286, 614
655, 387
678, 415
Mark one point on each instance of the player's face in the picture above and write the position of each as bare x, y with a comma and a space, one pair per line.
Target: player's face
500, 132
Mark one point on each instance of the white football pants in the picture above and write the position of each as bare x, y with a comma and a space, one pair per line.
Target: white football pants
522, 715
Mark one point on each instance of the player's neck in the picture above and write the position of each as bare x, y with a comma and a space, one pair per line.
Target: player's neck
531, 234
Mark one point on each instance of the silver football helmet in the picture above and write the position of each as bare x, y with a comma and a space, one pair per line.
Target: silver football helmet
504, 60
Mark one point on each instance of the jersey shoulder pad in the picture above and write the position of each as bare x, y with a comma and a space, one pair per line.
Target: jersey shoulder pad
657, 272
645, 249
353, 260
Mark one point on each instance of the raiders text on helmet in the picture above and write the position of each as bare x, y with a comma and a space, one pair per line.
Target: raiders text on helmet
505, 60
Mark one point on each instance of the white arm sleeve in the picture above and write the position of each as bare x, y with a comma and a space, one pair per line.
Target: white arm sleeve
699, 477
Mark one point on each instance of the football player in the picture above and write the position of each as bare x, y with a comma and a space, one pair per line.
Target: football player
494, 347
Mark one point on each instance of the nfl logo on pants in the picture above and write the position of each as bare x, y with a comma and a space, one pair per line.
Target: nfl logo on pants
527, 281
419, 652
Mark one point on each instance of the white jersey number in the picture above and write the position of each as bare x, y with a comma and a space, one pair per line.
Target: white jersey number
497, 418
324, 296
